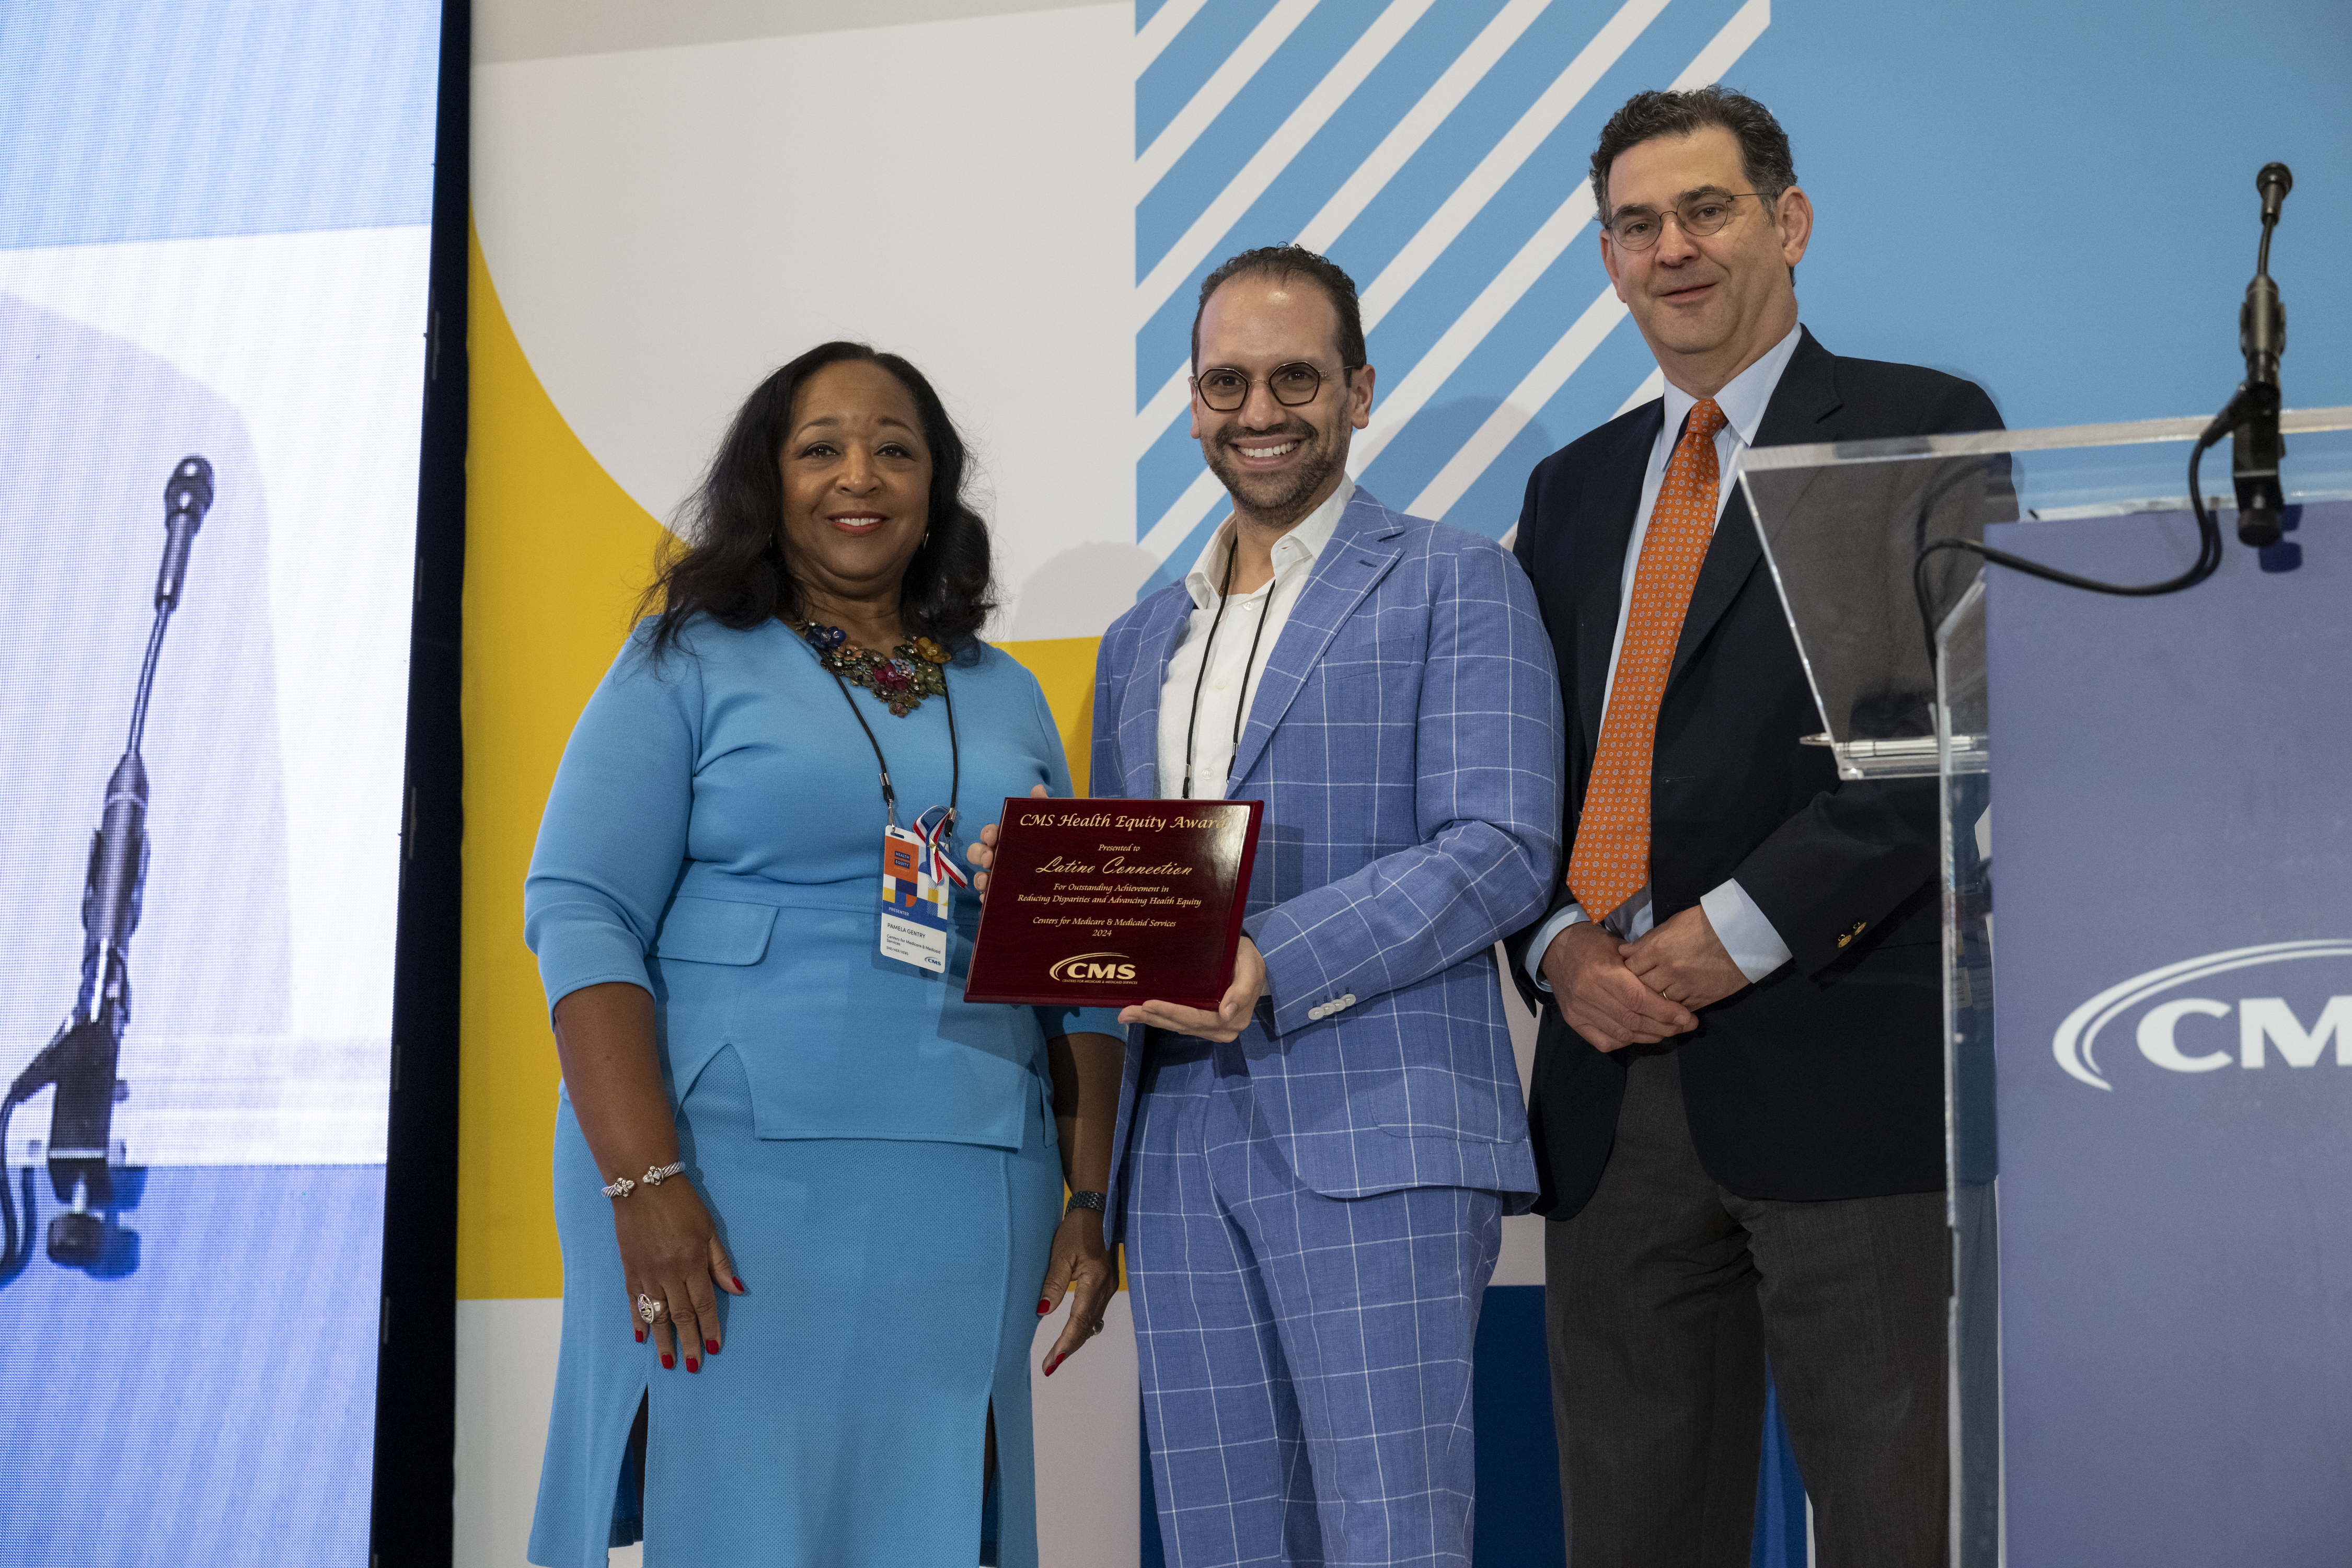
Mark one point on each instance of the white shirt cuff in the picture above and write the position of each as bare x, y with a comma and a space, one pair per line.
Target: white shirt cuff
1571, 915
1744, 931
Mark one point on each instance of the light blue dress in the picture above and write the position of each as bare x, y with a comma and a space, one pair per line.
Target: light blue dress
879, 1154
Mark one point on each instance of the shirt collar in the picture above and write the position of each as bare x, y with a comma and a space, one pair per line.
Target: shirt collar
1299, 546
1744, 397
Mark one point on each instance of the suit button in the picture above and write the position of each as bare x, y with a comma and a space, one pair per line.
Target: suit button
1349, 1000
1317, 1012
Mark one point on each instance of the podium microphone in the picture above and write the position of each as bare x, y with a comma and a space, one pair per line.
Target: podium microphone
2252, 418
2255, 443
81, 1058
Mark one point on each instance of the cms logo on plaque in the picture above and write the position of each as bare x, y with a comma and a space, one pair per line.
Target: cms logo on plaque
2298, 1023
1087, 966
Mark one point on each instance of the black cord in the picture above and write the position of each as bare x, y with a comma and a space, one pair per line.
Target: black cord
1241, 701
890, 796
38, 1075
955, 761
1249, 666
8, 1258
955, 751
1208, 646
2209, 544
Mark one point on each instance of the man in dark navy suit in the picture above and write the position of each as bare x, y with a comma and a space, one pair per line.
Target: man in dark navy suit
1739, 1090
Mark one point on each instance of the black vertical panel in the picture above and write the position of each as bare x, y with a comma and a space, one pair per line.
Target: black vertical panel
415, 1372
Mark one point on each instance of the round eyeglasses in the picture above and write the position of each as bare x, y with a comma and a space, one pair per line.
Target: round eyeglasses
1638, 228
1225, 389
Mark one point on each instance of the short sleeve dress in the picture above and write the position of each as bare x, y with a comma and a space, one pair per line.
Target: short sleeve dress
877, 1153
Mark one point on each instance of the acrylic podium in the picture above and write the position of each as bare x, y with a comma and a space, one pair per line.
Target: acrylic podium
2150, 1099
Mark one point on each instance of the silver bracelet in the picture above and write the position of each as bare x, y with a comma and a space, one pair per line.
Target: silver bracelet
654, 1178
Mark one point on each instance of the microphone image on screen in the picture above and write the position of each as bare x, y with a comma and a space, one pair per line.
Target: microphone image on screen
80, 1058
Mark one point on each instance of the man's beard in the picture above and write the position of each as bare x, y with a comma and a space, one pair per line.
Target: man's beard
1277, 500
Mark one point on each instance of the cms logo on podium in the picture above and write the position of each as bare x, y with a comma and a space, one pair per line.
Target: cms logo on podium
1086, 966
2297, 1024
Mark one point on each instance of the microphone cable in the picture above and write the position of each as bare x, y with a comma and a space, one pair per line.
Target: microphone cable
2208, 545
111, 896
30, 1082
2261, 333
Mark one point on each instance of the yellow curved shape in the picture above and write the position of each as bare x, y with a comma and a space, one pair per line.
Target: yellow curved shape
556, 555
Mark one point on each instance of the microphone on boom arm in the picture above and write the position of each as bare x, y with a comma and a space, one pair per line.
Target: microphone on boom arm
2255, 446
2251, 418
80, 1059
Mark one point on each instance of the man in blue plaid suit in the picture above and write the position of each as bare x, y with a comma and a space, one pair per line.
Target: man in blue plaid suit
1315, 1175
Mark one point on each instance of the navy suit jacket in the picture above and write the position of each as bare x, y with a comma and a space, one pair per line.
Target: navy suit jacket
1825, 1078
1406, 737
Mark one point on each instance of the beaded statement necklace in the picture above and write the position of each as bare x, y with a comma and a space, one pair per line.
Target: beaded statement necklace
901, 678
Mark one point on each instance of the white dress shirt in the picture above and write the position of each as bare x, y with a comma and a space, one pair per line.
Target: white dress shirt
1231, 678
1739, 924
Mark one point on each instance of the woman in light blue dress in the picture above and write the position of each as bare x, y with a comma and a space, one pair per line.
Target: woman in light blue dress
811, 1199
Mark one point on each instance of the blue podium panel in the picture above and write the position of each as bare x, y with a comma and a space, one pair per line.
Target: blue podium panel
2172, 865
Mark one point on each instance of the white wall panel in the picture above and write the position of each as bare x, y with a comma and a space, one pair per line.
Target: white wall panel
666, 226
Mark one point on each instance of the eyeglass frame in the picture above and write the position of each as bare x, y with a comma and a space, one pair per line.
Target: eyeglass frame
1254, 381
1609, 226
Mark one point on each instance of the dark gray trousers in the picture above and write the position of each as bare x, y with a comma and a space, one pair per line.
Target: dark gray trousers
1665, 1296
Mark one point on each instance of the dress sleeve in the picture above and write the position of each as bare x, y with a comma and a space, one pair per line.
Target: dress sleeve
614, 834
1063, 1020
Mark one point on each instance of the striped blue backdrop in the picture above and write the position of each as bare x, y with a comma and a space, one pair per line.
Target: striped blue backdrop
2052, 197
1436, 152
2020, 191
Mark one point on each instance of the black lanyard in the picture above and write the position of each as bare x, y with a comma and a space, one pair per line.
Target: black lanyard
955, 753
1207, 646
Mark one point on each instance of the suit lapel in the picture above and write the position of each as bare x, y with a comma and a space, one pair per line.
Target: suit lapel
1806, 395
1359, 554
1599, 567
1156, 640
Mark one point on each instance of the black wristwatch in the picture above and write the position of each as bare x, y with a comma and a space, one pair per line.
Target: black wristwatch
1094, 1201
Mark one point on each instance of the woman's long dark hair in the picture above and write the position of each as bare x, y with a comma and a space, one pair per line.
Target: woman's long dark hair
727, 559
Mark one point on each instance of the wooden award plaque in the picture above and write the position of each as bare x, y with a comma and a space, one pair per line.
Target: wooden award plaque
1103, 903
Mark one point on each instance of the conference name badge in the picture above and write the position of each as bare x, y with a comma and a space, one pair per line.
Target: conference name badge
915, 921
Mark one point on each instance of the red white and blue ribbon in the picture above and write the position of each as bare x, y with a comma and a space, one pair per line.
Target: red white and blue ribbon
939, 847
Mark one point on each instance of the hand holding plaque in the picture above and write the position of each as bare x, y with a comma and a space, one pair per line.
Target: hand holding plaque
1107, 903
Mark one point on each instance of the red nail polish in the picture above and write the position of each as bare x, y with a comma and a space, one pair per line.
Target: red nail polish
739, 1283
711, 1345
641, 1336
1051, 1366
1044, 1307
667, 1362
692, 1364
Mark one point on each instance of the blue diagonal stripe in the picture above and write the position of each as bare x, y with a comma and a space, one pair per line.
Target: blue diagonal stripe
1526, 201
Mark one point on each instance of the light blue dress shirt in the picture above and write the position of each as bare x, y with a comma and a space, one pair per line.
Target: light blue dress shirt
1739, 924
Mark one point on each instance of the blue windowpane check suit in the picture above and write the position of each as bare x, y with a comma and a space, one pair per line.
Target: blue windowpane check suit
1311, 1212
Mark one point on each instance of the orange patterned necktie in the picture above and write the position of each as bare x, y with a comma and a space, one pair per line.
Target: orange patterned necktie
1612, 859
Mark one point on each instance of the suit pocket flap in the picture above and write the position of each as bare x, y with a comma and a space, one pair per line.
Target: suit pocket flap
711, 931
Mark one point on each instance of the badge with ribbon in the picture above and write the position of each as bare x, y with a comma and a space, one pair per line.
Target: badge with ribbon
918, 872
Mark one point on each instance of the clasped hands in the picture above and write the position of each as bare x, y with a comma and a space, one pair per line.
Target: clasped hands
1618, 994
1233, 1009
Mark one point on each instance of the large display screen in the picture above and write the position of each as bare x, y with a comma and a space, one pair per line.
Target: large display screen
213, 230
